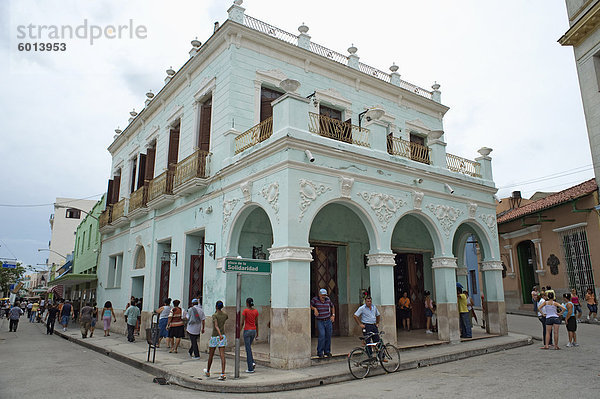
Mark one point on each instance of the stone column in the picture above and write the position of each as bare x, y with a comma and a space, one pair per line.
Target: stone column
444, 276
494, 297
290, 307
462, 276
486, 163
381, 278
236, 12
438, 148
378, 136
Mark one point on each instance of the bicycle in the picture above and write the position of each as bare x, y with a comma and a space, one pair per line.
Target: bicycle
360, 363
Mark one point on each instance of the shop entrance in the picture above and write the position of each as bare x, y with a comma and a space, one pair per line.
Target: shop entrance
408, 277
323, 274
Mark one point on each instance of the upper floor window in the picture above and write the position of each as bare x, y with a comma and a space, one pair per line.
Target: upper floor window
331, 125
204, 125
418, 150
132, 177
267, 96
173, 144
73, 213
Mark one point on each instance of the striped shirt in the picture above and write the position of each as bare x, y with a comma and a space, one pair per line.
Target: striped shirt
324, 308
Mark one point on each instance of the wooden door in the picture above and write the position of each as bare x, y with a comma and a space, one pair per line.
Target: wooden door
267, 96
204, 125
416, 148
173, 146
527, 265
196, 276
323, 274
165, 271
150, 156
142, 171
116, 189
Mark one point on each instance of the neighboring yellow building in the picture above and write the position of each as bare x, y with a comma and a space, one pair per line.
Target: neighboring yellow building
546, 241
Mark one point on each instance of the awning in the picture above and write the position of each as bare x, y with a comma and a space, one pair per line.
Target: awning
67, 267
73, 279
57, 289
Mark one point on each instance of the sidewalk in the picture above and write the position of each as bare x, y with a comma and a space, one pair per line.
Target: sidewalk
180, 369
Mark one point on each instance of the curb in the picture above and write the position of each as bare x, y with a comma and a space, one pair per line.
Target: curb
342, 376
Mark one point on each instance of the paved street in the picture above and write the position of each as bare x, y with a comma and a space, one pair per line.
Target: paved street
61, 368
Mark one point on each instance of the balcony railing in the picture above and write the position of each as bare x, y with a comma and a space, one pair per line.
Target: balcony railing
462, 165
254, 135
104, 218
162, 184
138, 198
118, 210
338, 130
191, 167
406, 149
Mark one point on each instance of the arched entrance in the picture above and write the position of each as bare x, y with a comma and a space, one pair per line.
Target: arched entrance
414, 247
340, 243
527, 265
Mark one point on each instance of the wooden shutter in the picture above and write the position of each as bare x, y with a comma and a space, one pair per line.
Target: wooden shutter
267, 96
133, 173
150, 157
173, 146
109, 193
116, 189
141, 171
204, 130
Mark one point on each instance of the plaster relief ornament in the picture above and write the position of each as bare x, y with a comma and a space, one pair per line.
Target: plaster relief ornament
246, 188
417, 199
384, 205
347, 183
490, 221
228, 207
271, 194
553, 263
446, 214
472, 209
309, 192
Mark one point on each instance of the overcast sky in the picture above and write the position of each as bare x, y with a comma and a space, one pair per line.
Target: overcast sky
507, 81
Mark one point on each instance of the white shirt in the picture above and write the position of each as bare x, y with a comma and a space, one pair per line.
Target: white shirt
540, 304
196, 327
367, 316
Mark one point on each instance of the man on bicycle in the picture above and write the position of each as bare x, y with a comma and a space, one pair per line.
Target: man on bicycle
367, 317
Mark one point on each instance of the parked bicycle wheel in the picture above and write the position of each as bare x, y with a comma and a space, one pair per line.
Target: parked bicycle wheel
389, 358
358, 363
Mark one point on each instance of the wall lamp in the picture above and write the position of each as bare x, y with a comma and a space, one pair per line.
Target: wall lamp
499, 200
370, 114
210, 247
418, 181
450, 189
172, 256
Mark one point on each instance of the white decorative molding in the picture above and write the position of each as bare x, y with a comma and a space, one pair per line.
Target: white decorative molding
541, 272
571, 227
346, 189
472, 207
417, 199
333, 97
290, 253
384, 205
206, 87
309, 192
176, 113
491, 265
417, 126
246, 188
272, 77
490, 221
521, 232
462, 271
381, 259
271, 194
228, 207
511, 275
446, 215
443, 262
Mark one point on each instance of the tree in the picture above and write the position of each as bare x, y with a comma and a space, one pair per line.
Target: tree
10, 276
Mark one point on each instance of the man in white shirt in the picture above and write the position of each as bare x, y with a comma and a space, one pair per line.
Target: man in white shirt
367, 317
195, 327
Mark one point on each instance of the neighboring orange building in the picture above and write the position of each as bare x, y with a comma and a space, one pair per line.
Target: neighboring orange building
552, 239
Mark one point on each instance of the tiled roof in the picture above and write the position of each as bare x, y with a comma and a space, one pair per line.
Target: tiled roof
566, 195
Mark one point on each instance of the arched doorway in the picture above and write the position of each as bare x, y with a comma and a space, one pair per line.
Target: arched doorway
414, 247
527, 266
340, 242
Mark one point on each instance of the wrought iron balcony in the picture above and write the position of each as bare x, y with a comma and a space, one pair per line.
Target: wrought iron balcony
191, 167
161, 185
104, 218
254, 135
138, 198
338, 130
406, 149
118, 210
463, 165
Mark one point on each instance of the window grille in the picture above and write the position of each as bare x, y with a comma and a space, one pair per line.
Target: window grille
576, 253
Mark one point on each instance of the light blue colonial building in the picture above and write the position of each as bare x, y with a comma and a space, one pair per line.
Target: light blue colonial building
267, 145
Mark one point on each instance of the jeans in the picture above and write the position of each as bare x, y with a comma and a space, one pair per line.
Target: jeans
249, 336
50, 326
543, 321
130, 330
32, 316
371, 328
465, 325
193, 351
13, 325
325, 328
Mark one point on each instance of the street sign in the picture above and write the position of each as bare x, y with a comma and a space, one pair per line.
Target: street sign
247, 266
9, 265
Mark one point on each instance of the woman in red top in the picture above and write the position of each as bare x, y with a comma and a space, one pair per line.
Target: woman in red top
250, 326
175, 326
